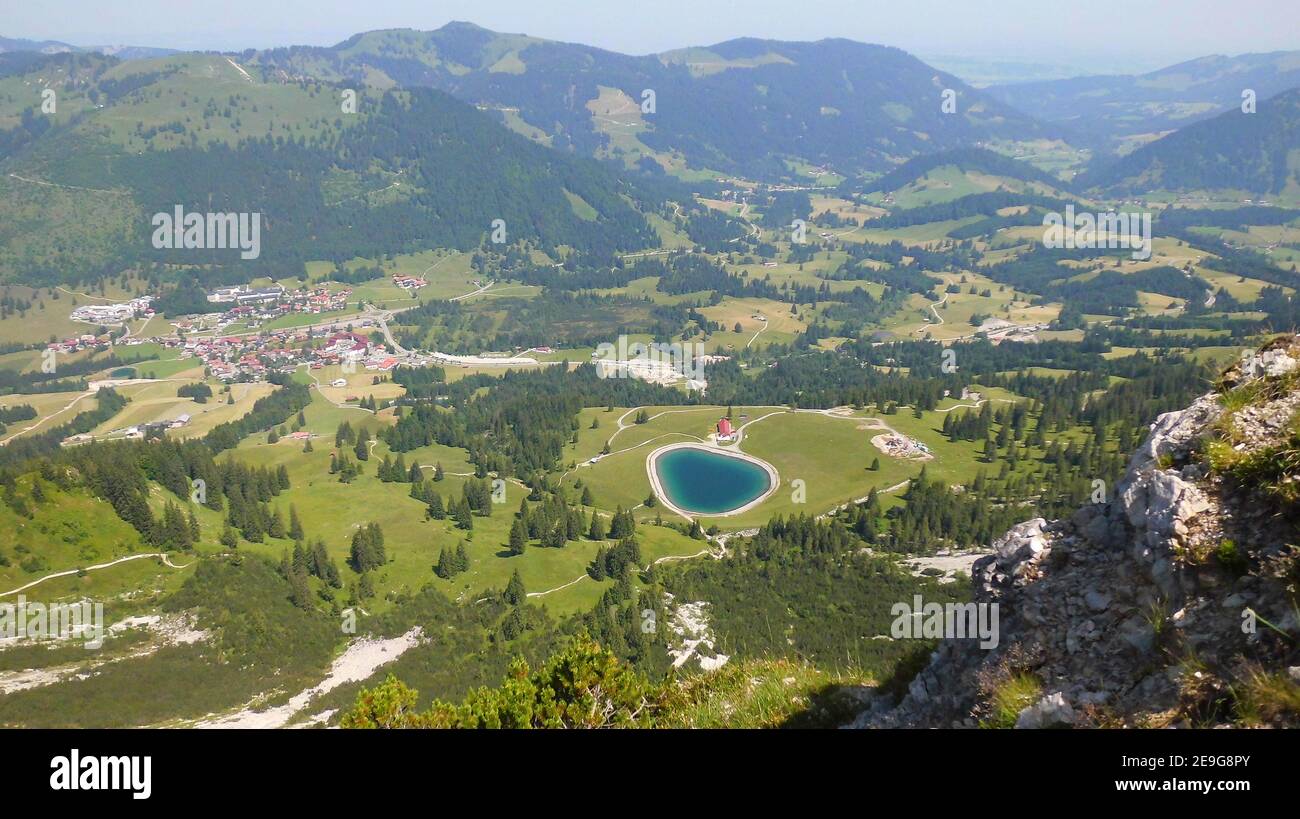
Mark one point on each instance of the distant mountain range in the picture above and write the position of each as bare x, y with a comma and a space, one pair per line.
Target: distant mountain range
1253, 152
763, 109
759, 108
1118, 112
264, 131
55, 47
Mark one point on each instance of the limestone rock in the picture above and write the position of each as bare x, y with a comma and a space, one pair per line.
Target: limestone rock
1051, 711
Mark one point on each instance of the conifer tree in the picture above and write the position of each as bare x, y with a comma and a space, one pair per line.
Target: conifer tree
295, 525
518, 537
514, 593
597, 529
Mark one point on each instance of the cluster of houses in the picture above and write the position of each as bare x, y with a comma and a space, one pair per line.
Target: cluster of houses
75, 344
119, 313
131, 433
254, 306
251, 305
998, 330
141, 430
243, 294
254, 357
409, 282
357, 350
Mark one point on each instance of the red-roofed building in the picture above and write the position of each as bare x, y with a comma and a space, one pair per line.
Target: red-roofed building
725, 431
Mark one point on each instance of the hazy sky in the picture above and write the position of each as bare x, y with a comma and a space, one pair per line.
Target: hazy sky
1099, 35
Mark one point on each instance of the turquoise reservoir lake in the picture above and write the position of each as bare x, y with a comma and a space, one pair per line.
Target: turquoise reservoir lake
709, 483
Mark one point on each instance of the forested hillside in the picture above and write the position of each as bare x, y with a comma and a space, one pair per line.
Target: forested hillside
1107, 110
409, 171
1254, 152
744, 106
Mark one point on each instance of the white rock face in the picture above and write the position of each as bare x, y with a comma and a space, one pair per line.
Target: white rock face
1050, 711
690, 623
1175, 432
1159, 501
1268, 363
1026, 538
1078, 598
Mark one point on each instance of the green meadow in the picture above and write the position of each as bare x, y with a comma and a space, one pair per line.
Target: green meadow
332, 511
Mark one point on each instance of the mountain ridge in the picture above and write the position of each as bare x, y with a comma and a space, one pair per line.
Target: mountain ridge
410, 170
741, 106
1255, 152
1110, 110
124, 52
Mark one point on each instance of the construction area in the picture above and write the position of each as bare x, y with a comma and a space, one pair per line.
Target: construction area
900, 446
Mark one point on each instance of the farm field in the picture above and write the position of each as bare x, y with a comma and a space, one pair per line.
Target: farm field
51, 408
948, 315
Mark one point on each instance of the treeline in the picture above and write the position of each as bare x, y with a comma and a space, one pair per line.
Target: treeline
559, 318
518, 423
821, 379
18, 412
1111, 290
266, 413
186, 297
42, 444
358, 275
977, 159
31, 126
803, 588
1108, 292
122, 473
713, 230
200, 392
63, 377
783, 207
435, 139
420, 382
934, 516
975, 204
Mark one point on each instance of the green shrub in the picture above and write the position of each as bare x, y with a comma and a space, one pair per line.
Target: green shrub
1015, 694
1231, 557
582, 686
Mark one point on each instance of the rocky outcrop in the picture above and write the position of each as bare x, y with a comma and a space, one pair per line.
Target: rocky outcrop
1147, 609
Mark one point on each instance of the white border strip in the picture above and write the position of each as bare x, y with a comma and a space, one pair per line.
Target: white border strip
774, 479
